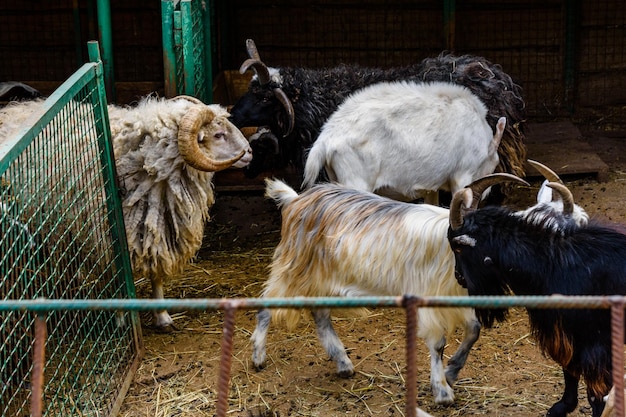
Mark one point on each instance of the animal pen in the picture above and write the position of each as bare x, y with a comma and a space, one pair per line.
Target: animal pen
62, 237
68, 313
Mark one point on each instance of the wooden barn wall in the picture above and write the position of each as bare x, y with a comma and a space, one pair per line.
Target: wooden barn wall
568, 55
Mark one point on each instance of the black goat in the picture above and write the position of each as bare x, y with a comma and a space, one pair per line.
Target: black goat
296, 102
499, 252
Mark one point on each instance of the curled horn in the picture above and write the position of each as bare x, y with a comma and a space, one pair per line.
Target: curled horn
252, 51
188, 147
255, 63
468, 198
188, 98
566, 196
545, 171
282, 97
263, 74
259, 68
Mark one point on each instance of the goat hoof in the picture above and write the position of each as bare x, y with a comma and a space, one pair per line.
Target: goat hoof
259, 366
444, 396
167, 328
345, 373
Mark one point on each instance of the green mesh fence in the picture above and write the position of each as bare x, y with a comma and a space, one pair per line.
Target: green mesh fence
62, 237
186, 48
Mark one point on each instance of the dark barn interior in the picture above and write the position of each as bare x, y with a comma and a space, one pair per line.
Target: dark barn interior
568, 55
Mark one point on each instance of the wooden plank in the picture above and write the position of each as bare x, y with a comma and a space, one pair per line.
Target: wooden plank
560, 146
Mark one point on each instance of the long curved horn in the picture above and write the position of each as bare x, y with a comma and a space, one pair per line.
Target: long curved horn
282, 97
261, 70
566, 196
252, 51
188, 147
468, 198
461, 199
193, 99
263, 75
545, 171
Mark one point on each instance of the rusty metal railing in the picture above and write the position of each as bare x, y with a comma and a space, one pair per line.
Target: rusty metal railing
410, 303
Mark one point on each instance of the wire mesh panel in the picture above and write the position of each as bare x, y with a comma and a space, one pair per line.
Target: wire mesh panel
62, 236
187, 58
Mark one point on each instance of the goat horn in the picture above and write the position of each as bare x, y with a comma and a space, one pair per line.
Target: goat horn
468, 198
566, 196
263, 75
282, 97
193, 99
545, 171
460, 200
252, 51
188, 130
259, 68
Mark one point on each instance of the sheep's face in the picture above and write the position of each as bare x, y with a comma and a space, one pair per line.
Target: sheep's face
222, 140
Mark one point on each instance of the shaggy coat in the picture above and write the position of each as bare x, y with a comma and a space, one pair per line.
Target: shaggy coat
337, 241
499, 253
165, 198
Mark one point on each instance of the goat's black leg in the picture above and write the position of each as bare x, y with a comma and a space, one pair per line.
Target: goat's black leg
457, 361
568, 402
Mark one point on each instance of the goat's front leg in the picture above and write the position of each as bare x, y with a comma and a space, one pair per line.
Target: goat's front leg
594, 383
263, 319
457, 361
569, 400
331, 343
442, 392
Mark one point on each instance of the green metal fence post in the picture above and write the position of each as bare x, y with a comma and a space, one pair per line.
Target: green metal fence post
169, 55
208, 52
104, 32
189, 63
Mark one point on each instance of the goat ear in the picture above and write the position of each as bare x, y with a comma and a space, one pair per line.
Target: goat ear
544, 195
497, 137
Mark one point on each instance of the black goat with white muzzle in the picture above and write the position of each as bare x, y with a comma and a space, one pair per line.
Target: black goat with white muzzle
501, 252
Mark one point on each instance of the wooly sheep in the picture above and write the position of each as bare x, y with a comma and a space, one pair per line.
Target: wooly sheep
166, 153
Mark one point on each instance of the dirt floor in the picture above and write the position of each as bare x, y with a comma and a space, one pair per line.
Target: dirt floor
506, 375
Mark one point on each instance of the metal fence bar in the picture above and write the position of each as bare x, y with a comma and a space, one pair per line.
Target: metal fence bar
39, 359
223, 384
615, 303
617, 351
411, 352
552, 301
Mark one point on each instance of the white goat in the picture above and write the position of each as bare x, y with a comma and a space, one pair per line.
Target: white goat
166, 153
338, 241
401, 138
